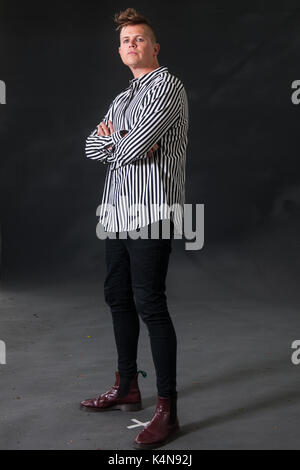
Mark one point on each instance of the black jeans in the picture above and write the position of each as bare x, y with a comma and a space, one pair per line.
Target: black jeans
135, 286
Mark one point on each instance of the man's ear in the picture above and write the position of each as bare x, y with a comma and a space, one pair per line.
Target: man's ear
157, 48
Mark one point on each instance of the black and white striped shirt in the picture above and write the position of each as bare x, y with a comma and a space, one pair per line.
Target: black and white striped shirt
141, 189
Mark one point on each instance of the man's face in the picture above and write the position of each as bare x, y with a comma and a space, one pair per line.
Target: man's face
136, 46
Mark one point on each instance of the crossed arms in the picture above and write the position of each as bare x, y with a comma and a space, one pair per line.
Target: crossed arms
162, 105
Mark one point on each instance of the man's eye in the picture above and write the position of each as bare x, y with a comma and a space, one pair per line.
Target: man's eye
139, 39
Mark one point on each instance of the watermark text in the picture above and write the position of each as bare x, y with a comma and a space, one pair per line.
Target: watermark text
182, 218
2, 92
2, 352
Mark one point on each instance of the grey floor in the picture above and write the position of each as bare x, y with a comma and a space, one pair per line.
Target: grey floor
236, 313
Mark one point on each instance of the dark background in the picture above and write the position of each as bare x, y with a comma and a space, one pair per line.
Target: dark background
62, 69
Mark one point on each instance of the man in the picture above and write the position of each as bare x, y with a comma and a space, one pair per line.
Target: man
142, 139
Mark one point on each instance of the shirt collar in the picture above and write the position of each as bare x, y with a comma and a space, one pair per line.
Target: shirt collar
144, 79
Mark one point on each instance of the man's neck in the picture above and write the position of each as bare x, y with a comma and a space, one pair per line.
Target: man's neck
139, 72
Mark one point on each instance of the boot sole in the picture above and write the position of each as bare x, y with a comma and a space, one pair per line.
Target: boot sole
158, 444
121, 406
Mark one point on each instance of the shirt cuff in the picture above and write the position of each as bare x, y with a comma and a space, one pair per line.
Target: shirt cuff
111, 158
107, 140
116, 137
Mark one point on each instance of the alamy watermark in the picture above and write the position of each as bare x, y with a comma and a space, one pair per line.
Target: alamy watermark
2, 352
2, 92
295, 97
182, 219
295, 358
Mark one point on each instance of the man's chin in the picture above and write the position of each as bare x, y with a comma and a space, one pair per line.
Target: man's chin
132, 58
133, 63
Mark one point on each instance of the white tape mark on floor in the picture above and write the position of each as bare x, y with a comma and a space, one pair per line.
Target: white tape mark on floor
138, 423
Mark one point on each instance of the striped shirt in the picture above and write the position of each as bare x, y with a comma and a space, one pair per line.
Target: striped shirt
141, 189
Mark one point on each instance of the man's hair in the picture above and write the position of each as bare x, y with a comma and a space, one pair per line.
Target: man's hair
131, 16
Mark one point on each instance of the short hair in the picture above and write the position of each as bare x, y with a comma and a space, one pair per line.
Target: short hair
131, 16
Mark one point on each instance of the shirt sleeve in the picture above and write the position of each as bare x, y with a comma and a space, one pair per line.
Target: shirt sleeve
96, 145
162, 108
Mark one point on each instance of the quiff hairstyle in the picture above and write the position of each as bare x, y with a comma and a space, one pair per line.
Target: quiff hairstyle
131, 16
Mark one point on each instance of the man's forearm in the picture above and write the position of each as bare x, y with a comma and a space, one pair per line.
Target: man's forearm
98, 146
159, 114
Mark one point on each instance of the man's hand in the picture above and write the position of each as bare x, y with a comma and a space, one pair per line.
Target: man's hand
152, 150
104, 130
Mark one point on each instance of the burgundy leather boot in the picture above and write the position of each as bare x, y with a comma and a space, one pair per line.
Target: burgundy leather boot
110, 400
162, 427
